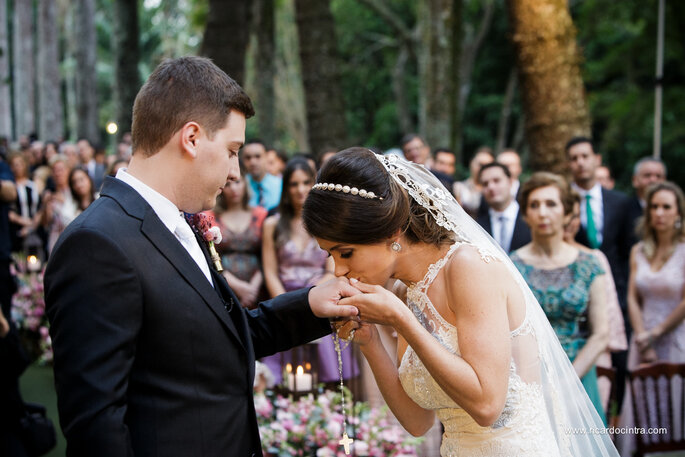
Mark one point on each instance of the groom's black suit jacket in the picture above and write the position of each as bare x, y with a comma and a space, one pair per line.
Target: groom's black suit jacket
150, 359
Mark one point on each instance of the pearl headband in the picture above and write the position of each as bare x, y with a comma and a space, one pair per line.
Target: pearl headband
345, 189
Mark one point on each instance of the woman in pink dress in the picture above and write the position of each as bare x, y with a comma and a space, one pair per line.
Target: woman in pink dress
656, 295
292, 259
241, 245
656, 288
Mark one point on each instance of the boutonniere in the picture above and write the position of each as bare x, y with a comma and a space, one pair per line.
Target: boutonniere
204, 225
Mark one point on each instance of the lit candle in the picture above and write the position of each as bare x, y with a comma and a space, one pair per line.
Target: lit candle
300, 381
32, 263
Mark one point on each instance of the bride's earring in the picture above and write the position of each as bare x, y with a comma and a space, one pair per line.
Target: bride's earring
395, 246
678, 224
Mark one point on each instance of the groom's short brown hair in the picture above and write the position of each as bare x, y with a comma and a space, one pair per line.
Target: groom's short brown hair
183, 90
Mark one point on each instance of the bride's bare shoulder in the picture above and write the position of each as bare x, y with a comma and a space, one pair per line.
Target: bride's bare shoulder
469, 267
469, 256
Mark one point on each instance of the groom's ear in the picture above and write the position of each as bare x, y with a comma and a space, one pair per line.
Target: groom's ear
190, 138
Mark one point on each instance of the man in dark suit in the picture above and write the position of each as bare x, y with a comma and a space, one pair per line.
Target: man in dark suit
153, 354
603, 213
416, 150
503, 218
510, 159
647, 171
604, 226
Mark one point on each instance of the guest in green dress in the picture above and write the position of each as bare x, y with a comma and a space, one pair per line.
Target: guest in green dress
568, 283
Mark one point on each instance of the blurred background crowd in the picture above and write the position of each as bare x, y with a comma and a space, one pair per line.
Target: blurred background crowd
607, 267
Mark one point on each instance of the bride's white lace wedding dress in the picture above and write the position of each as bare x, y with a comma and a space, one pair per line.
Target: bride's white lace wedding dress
523, 428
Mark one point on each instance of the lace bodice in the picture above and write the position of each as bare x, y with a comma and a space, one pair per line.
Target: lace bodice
521, 429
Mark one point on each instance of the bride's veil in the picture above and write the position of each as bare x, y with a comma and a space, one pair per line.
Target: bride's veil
578, 429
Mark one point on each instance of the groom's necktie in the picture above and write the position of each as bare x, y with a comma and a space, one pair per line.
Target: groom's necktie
187, 238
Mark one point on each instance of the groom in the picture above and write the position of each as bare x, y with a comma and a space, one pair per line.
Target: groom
153, 354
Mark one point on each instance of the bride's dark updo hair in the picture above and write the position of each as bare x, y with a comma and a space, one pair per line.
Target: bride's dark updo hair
346, 218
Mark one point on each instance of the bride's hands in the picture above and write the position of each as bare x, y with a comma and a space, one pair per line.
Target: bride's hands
376, 304
364, 333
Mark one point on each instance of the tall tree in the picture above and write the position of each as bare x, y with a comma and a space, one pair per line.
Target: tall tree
227, 35
436, 118
85, 75
266, 69
320, 74
552, 89
407, 41
126, 56
50, 122
24, 68
5, 96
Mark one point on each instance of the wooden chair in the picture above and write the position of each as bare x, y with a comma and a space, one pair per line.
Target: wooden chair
659, 403
611, 404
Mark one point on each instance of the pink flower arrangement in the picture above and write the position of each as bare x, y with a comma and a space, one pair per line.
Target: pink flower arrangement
311, 426
203, 223
28, 312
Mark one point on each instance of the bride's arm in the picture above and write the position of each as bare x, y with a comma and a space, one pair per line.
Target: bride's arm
477, 380
413, 418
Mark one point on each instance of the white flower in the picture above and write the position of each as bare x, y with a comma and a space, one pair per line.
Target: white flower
216, 234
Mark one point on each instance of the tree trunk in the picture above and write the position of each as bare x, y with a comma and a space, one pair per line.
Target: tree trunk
50, 123
435, 71
86, 77
266, 70
470, 44
24, 68
126, 57
291, 114
552, 87
69, 68
5, 96
399, 88
456, 111
227, 35
505, 113
407, 44
321, 77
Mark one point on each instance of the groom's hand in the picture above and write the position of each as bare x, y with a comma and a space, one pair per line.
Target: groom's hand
323, 299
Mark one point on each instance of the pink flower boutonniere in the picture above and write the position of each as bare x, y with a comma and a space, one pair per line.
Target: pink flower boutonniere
204, 225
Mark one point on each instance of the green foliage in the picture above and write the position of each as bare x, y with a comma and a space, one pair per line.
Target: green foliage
619, 46
617, 39
368, 48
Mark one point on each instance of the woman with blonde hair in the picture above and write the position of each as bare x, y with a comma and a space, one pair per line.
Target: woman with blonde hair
656, 287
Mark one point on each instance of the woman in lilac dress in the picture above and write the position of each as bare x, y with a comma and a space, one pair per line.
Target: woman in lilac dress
656, 297
656, 289
292, 259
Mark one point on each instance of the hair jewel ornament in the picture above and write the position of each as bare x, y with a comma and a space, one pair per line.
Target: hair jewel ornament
345, 189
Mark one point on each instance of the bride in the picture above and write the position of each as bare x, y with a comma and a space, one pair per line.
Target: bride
474, 346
